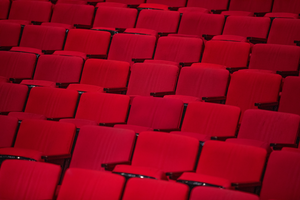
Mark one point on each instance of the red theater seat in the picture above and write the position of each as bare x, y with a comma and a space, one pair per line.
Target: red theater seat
8, 127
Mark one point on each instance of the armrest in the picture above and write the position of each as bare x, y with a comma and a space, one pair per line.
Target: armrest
297, 42
234, 69
16, 80
56, 157
111, 124
220, 99
175, 175
111, 31
287, 73
167, 130
161, 94
112, 90
97, 56
207, 37
83, 26
246, 185
222, 138
279, 146
255, 40
267, 105
5, 48
3, 157
111, 166
138, 60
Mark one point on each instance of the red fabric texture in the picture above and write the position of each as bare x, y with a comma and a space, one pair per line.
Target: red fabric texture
211, 5
256, 6
13, 97
10, 33
289, 101
291, 6
170, 3
8, 130
4, 9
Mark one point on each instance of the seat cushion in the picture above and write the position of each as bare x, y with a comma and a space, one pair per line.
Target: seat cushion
135, 128
24, 115
85, 88
79, 122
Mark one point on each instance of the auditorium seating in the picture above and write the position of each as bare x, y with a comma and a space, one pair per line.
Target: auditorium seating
9, 127
9, 34
215, 5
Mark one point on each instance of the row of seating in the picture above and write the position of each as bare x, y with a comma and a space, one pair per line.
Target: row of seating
41, 179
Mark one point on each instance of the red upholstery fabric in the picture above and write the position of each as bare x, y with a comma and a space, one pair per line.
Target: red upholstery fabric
112, 4
9, 33
282, 15
248, 87
156, 113
232, 38
28, 180
158, 20
27, 50
210, 193
72, 14
46, 137
179, 49
275, 57
39, 11
4, 9
170, 3
130, 2
151, 77
101, 108
194, 23
97, 145
283, 167
17, 64
156, 6
43, 37
88, 41
115, 17
23, 115
124, 47
284, 31
13, 97
237, 13
21, 152
208, 119
289, 6
8, 130
71, 53
193, 9
156, 153
233, 162
141, 31
98, 74
256, 6
52, 24
88, 184
57, 69
230, 54
148, 189
289, 101
211, 5
200, 82
269, 127
51, 102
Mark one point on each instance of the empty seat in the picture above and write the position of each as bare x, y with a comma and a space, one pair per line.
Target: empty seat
215, 5
17, 65
225, 165
40, 140
148, 113
9, 34
194, 23
228, 53
210, 193
114, 17
97, 145
146, 78
158, 153
194, 83
284, 31
99, 74
283, 167
286, 6
47, 102
52, 70
25, 12
8, 126
4, 8
13, 97
208, 120
125, 47
280, 58
95, 108
268, 128
256, 6
154, 189
89, 184
161, 21
21, 179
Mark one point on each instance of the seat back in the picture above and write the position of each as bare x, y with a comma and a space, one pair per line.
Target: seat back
8, 130
193, 23
52, 102
154, 189
97, 145
20, 179
275, 57
103, 107
157, 113
170, 3
90, 184
290, 6
283, 166
211, 5
256, 6
289, 101
4, 8
9, 33
13, 97
48, 137
269, 126
152, 77
230, 54
129, 2
234, 162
